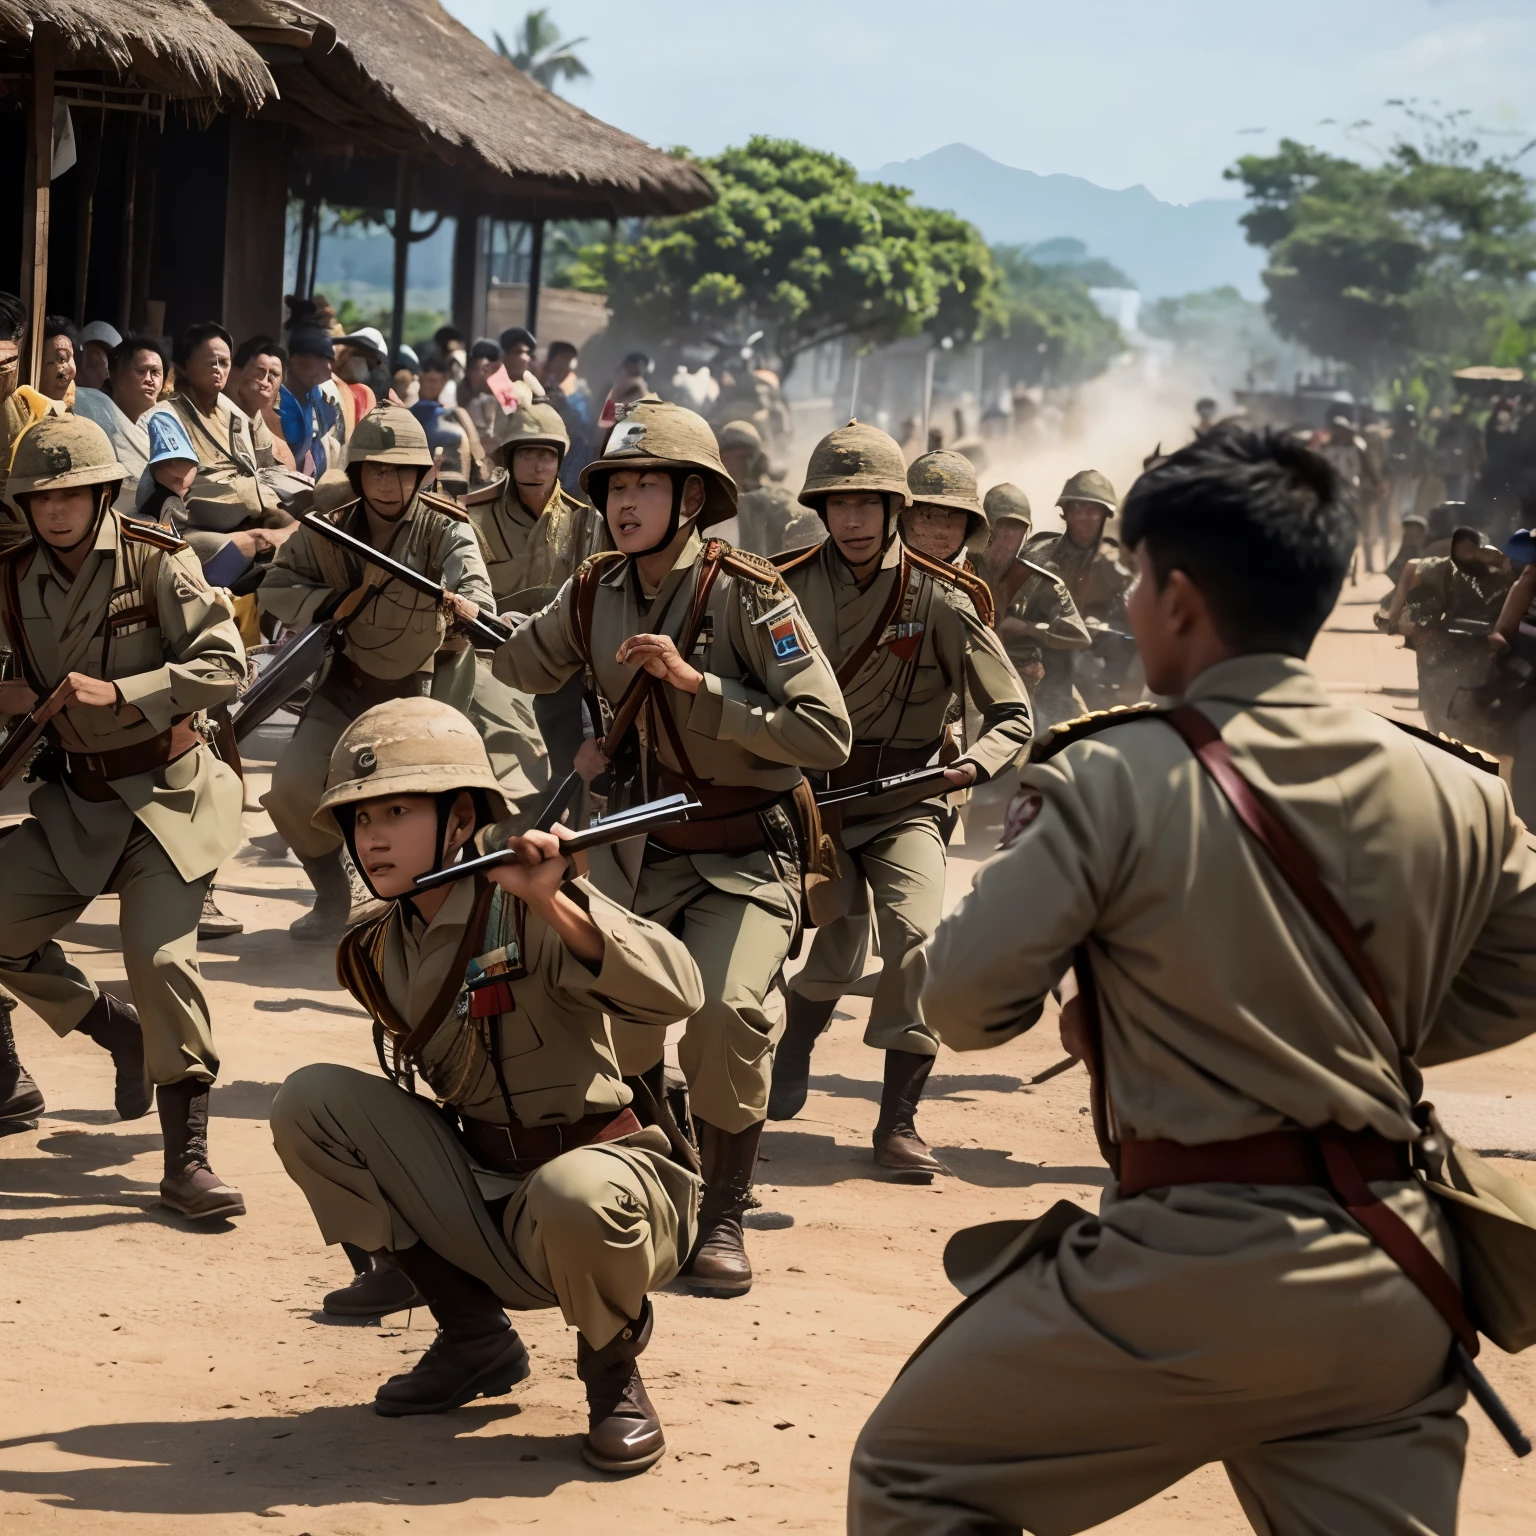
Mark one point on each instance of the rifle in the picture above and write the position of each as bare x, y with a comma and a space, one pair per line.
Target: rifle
635, 822
911, 780
25, 735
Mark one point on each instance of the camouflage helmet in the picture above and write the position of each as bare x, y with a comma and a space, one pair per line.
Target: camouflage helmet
408, 747
1007, 503
535, 425
857, 457
1090, 485
653, 434
389, 434
57, 452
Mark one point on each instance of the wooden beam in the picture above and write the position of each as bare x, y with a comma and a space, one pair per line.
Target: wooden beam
402, 256
34, 223
535, 273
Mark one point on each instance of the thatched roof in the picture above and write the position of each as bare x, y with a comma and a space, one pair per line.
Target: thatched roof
404, 77
178, 47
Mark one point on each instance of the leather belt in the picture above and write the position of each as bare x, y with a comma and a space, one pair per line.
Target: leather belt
873, 759
727, 821
519, 1149
90, 774
370, 690
1276, 1157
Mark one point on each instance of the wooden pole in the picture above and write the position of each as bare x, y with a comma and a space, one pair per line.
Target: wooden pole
535, 272
34, 231
402, 255
130, 195
89, 170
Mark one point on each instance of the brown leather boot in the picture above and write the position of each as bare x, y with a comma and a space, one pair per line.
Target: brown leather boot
190, 1187
378, 1287
804, 1022
326, 921
214, 924
897, 1144
624, 1432
21, 1101
719, 1263
115, 1027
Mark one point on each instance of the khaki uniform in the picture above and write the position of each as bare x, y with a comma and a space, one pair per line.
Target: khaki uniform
1044, 603
590, 1231
1445, 593
1255, 1325
141, 614
934, 649
1097, 580
762, 714
399, 646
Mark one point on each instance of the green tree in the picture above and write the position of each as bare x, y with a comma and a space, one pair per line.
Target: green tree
1053, 331
541, 52
1413, 266
799, 248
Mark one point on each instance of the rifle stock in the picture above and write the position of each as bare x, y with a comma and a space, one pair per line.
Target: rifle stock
26, 734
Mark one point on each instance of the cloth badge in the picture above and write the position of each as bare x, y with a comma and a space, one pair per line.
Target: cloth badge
788, 643
1022, 810
902, 640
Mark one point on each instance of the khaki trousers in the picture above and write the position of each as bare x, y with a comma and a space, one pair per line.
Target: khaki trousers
739, 943
901, 873
1258, 1327
158, 913
591, 1232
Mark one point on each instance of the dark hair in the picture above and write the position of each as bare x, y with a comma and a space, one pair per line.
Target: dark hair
435, 362
560, 348
485, 350
57, 325
259, 346
129, 347
517, 336
1259, 523
642, 358
444, 334
194, 336
13, 317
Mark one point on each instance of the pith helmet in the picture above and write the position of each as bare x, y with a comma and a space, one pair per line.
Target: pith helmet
653, 434
536, 425
1090, 485
855, 458
408, 747
1007, 503
946, 479
57, 452
741, 434
389, 434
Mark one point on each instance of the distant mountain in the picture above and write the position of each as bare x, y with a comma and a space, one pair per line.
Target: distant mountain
1165, 248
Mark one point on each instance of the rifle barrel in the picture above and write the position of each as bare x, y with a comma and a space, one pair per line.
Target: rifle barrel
885, 785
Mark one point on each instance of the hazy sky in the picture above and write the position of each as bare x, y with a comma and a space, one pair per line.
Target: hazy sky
1119, 91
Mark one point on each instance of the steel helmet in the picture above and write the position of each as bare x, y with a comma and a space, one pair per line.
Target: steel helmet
653, 434
1090, 485
741, 434
1007, 503
60, 451
857, 457
389, 434
536, 425
944, 478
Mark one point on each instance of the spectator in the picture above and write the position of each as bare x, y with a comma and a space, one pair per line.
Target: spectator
363, 359
448, 428
254, 385
448, 343
474, 396
317, 414
405, 377
570, 396
98, 341
61, 353
137, 372
517, 348
15, 410
630, 381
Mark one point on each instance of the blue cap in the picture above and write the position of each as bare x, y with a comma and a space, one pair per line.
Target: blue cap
1521, 546
168, 439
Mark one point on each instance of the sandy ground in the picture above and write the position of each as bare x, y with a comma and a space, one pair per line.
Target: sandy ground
159, 1378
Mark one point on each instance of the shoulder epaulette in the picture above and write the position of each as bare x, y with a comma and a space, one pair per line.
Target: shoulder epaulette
1080, 729
484, 493
446, 505
792, 559
336, 514
974, 587
1040, 570
742, 562
1459, 749
152, 534
600, 558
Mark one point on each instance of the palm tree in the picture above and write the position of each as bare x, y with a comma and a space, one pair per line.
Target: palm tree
541, 52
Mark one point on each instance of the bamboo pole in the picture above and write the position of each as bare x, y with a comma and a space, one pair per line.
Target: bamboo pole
35, 213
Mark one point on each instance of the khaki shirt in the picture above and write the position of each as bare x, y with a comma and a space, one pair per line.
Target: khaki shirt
1096, 578
759, 717
227, 494
556, 1043
1227, 1011
1044, 604
530, 558
180, 658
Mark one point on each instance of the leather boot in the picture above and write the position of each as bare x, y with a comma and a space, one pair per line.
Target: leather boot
624, 1432
803, 1024
476, 1353
21, 1101
326, 921
114, 1026
719, 1263
378, 1287
190, 1187
897, 1144
214, 924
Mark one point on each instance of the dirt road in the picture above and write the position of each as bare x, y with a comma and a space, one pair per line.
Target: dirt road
160, 1379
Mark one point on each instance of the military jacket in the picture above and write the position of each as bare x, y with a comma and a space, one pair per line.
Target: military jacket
764, 514
1043, 602
399, 632
769, 704
1097, 579
140, 614
1227, 1010
934, 650
231, 448
548, 1020
530, 558
1444, 592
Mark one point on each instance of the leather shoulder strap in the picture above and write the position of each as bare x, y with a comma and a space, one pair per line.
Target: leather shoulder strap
484, 494
15, 630
444, 506
793, 559
357, 969
150, 533
588, 574
854, 662
742, 562
953, 576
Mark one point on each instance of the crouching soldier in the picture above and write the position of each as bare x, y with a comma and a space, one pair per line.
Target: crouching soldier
122, 649
531, 1183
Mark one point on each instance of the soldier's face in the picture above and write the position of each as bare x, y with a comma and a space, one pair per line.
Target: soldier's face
63, 518
534, 469
1006, 540
396, 838
639, 507
937, 532
1085, 521
388, 488
856, 524
738, 463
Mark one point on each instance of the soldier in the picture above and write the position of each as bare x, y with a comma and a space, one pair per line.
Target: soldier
1347, 452
543, 1189
766, 512
708, 681
1228, 1302
910, 637
945, 519
398, 644
534, 536
124, 649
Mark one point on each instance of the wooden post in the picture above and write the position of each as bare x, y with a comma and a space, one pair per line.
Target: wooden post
34, 221
130, 194
402, 255
535, 272
89, 168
